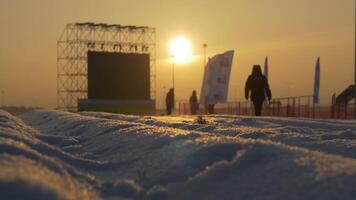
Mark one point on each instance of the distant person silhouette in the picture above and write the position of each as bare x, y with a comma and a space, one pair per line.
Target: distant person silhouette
193, 101
210, 108
258, 85
170, 101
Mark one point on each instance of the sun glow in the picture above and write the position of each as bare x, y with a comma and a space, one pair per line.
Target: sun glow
181, 49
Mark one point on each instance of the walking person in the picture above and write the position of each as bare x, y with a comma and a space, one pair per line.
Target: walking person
210, 108
259, 87
170, 101
193, 101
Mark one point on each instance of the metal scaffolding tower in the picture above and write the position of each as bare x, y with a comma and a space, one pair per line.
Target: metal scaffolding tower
79, 38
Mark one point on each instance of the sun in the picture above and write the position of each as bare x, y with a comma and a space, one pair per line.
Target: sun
181, 49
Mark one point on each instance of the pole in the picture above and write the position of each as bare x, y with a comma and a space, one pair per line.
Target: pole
173, 74
173, 83
205, 46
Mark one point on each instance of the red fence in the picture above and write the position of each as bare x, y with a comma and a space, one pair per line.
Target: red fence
301, 106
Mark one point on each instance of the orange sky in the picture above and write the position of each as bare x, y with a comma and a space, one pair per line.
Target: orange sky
292, 33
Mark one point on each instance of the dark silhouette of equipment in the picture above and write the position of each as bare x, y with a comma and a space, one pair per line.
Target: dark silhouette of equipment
340, 102
346, 96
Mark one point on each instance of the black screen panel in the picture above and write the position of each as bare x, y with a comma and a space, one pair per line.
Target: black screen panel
118, 76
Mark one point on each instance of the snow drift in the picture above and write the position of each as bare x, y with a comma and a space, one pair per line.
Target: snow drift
61, 155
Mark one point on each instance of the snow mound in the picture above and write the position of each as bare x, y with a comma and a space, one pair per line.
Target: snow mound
23, 178
26, 172
268, 172
60, 155
346, 135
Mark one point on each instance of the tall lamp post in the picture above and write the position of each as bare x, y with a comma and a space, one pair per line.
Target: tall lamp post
173, 72
173, 84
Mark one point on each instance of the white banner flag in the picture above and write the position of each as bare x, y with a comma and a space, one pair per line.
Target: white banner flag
216, 79
266, 68
266, 75
317, 82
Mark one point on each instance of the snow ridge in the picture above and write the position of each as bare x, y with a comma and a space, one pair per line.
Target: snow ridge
60, 155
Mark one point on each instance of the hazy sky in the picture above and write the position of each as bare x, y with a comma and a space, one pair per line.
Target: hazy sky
293, 33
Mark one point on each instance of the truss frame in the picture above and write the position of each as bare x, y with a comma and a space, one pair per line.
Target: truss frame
79, 38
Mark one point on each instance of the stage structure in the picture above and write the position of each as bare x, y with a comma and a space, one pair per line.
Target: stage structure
79, 40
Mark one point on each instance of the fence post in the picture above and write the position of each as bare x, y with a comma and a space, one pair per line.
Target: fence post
309, 107
237, 108
278, 107
272, 110
288, 107
251, 113
293, 107
333, 111
299, 106
246, 111
178, 108
346, 106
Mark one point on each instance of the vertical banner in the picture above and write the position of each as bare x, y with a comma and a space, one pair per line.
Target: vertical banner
316, 82
265, 73
216, 79
266, 68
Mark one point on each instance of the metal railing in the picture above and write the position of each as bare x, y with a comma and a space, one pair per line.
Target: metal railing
299, 106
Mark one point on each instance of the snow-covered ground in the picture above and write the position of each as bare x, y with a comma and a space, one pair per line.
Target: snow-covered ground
60, 155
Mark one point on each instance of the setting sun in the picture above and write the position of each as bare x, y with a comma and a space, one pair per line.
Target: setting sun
181, 49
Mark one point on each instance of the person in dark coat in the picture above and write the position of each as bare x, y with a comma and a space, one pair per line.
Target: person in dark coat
170, 101
258, 85
194, 106
211, 109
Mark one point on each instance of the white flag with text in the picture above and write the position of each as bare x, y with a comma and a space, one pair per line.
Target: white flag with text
216, 79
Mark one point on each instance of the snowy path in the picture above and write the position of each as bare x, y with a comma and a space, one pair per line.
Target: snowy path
101, 155
335, 137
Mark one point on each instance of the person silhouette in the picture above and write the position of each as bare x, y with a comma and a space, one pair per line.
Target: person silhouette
193, 101
259, 87
210, 108
170, 101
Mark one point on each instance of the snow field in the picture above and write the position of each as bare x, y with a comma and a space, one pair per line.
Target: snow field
62, 155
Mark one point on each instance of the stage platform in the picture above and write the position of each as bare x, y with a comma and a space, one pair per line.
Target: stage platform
133, 107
